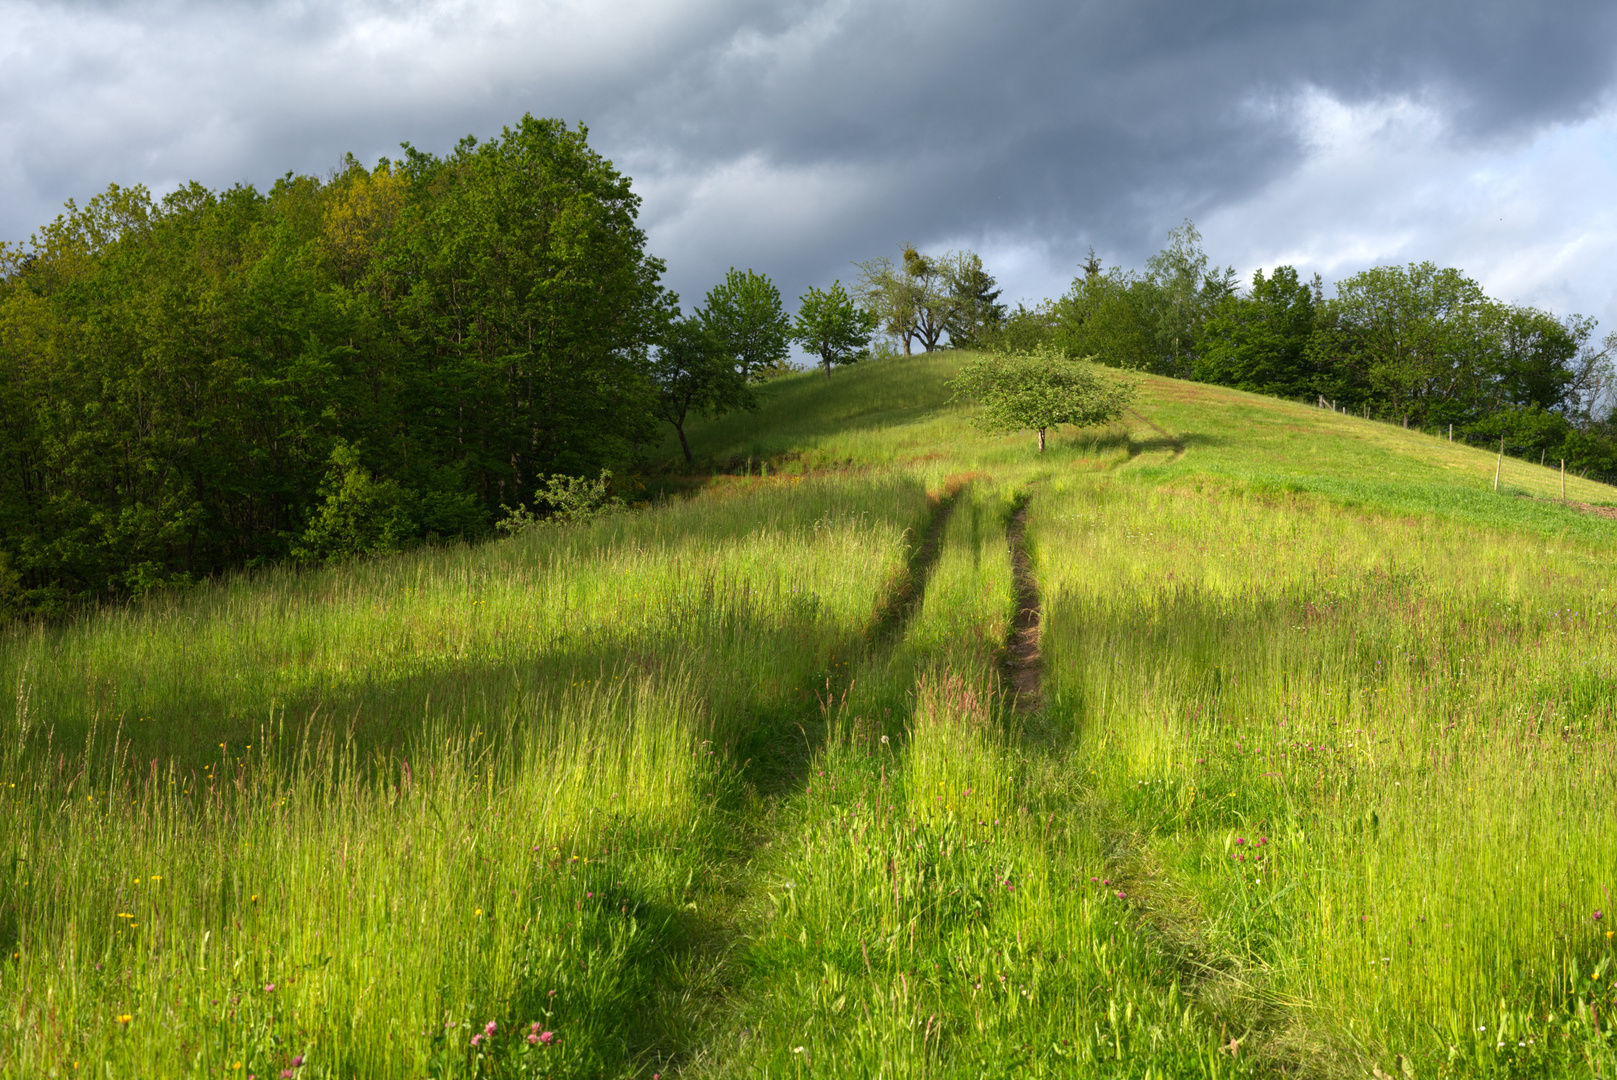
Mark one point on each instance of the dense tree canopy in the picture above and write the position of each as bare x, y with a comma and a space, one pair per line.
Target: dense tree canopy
221, 378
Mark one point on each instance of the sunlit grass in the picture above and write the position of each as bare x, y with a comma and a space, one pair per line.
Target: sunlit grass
1377, 752
354, 816
1321, 784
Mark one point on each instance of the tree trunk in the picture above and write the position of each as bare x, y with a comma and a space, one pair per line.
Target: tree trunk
679, 429
1041, 440
825, 362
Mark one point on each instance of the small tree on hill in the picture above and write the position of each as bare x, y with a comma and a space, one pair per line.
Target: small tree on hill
832, 327
1040, 390
693, 371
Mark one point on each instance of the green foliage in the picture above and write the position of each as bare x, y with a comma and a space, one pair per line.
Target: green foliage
695, 371
974, 310
1419, 344
11, 597
1023, 329
1149, 321
1415, 337
832, 327
744, 314
1259, 341
175, 373
569, 500
925, 297
357, 514
1040, 390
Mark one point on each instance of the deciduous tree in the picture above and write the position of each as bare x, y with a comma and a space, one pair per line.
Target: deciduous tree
694, 372
745, 316
831, 326
1040, 390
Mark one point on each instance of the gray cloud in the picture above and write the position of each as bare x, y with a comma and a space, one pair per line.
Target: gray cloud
798, 136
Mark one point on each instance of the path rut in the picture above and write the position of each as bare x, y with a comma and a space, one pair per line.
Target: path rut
1023, 666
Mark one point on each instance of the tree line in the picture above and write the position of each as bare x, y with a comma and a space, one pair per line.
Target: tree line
1419, 345
348, 365
352, 364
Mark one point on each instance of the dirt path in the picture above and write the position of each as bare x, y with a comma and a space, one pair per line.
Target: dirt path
1022, 661
901, 603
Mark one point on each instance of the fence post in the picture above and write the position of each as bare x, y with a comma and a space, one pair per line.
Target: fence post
1563, 479
1499, 464
1451, 432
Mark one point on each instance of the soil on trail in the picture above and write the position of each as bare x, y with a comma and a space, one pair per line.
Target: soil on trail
1022, 664
902, 601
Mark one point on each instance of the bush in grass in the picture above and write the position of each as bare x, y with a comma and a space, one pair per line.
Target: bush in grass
1041, 389
569, 499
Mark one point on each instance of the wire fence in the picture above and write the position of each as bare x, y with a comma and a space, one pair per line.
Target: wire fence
1515, 466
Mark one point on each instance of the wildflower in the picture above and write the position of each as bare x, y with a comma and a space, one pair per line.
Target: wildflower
477, 1038
1120, 895
489, 1028
269, 988
297, 1062
1240, 840
547, 1037
1598, 916
124, 1018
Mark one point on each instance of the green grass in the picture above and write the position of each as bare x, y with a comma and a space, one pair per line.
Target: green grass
1321, 783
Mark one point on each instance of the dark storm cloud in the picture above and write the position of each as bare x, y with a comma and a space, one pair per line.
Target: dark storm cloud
793, 137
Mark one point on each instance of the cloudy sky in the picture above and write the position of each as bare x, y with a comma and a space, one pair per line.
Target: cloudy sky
794, 137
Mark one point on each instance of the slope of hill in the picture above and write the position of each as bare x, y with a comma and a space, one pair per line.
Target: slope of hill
1240, 738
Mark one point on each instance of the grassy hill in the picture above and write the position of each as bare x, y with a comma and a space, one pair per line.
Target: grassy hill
1240, 738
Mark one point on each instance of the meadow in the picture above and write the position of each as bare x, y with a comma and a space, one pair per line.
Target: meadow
1303, 765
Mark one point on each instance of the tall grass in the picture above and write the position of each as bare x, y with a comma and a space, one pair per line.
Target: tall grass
338, 823
1376, 752
1321, 782
940, 905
